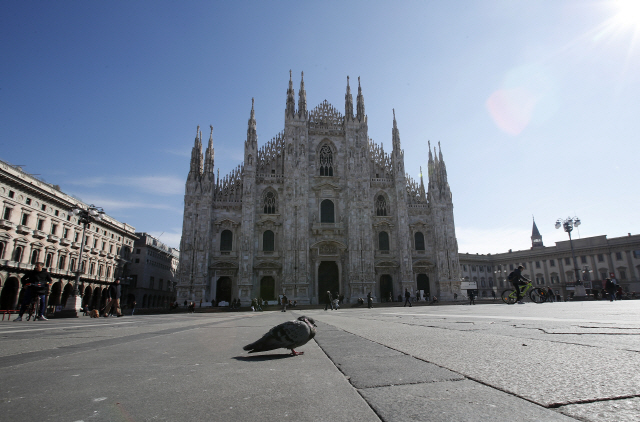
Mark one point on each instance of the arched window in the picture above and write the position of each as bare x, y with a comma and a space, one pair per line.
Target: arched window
62, 261
268, 241
84, 267
383, 241
108, 272
326, 161
326, 212
419, 240
2, 248
17, 254
34, 256
269, 202
92, 268
72, 265
226, 240
381, 206
49, 260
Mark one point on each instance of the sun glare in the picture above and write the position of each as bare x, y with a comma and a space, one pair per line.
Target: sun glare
628, 12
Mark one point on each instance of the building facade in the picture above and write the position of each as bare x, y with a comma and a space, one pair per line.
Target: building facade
151, 276
321, 207
597, 258
37, 225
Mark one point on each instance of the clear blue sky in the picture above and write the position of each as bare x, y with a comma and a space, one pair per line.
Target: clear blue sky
535, 103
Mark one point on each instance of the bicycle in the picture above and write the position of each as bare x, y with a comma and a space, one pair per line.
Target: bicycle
34, 307
537, 295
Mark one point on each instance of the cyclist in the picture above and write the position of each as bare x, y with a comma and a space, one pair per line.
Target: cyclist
36, 283
516, 278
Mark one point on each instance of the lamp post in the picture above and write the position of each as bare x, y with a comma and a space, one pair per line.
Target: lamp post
85, 216
568, 224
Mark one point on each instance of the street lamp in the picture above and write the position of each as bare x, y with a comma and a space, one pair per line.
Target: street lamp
568, 225
85, 216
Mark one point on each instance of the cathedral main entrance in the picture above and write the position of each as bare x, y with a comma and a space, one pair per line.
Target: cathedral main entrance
223, 289
386, 288
268, 288
423, 284
328, 279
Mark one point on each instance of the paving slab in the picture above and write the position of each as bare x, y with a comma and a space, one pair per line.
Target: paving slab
623, 410
460, 401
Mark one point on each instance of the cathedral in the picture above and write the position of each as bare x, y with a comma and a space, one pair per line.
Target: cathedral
321, 207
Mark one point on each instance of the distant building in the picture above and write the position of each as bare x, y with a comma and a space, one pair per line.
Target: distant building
552, 266
321, 207
151, 277
37, 225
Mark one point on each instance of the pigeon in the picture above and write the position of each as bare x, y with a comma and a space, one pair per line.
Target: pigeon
288, 335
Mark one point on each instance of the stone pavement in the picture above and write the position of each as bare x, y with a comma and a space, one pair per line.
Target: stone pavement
549, 362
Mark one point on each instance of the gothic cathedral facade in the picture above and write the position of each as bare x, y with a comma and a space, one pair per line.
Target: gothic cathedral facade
319, 208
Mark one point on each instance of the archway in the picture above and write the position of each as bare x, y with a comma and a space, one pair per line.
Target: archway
54, 296
86, 299
95, 300
268, 288
386, 287
328, 279
423, 284
66, 292
9, 294
223, 289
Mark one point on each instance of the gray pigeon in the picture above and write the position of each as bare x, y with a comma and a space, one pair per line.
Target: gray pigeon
288, 335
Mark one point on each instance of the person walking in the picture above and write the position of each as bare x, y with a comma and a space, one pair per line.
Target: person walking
36, 283
115, 290
407, 298
284, 303
610, 287
328, 301
472, 297
133, 307
369, 300
551, 296
516, 278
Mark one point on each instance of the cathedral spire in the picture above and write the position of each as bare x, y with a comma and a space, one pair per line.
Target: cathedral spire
302, 99
209, 154
395, 134
348, 103
252, 136
360, 105
196, 155
291, 101
423, 195
443, 167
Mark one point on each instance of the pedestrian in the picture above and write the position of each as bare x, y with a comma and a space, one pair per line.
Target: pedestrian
36, 283
328, 301
472, 297
455, 296
516, 278
259, 308
610, 287
407, 296
284, 303
390, 299
493, 293
133, 307
369, 300
185, 303
552, 296
336, 301
115, 290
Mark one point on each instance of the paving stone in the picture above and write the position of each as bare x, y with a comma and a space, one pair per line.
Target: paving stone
370, 371
460, 401
624, 410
